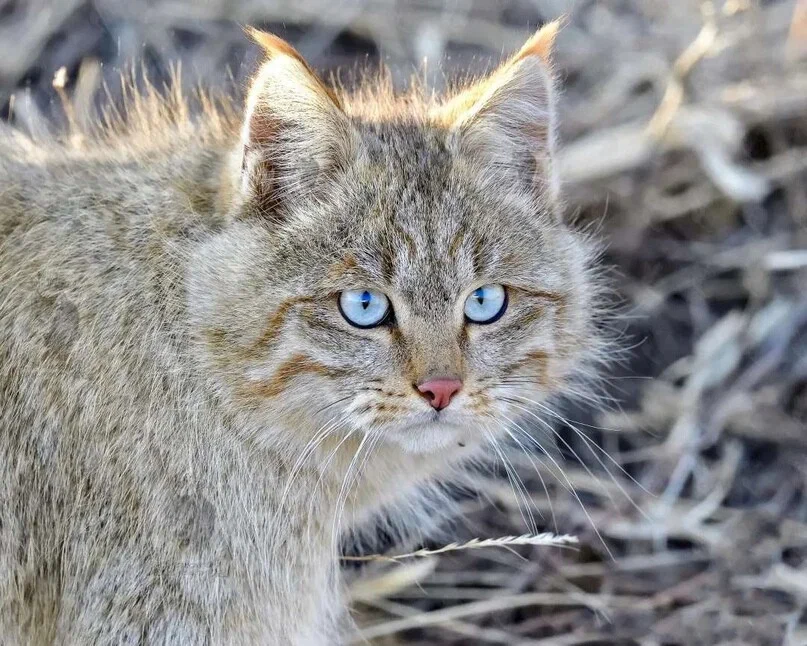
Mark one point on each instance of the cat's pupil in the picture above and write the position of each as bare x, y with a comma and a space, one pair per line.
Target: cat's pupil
479, 294
365, 300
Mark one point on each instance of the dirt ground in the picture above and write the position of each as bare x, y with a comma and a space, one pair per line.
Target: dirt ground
685, 146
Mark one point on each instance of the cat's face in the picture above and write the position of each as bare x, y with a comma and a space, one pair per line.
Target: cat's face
413, 289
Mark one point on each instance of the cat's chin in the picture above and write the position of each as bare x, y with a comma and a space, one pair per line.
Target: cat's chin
433, 436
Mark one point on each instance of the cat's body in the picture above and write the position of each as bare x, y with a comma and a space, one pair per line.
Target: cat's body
186, 422
92, 329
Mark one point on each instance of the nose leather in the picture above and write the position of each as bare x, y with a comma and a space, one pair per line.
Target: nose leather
438, 392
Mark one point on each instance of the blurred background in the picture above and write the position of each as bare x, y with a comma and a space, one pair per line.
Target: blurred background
684, 128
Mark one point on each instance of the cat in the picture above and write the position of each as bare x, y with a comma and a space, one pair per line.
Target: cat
226, 339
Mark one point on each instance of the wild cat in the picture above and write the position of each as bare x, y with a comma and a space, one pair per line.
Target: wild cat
227, 339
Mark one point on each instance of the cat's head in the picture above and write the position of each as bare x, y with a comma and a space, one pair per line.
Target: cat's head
394, 266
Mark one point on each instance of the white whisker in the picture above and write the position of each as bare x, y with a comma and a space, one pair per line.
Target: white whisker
519, 489
591, 445
344, 487
571, 488
306, 453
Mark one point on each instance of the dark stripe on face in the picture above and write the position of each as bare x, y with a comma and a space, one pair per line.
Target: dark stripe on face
537, 361
276, 322
456, 243
526, 319
554, 297
346, 265
387, 261
480, 256
285, 374
407, 239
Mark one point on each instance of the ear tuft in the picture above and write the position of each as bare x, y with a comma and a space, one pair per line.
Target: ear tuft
272, 44
541, 43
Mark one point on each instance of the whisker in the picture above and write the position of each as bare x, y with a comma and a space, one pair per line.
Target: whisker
572, 490
543, 450
570, 391
530, 455
333, 403
343, 489
564, 442
591, 445
329, 459
306, 453
517, 485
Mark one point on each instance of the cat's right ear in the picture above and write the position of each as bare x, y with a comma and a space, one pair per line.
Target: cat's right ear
295, 135
505, 122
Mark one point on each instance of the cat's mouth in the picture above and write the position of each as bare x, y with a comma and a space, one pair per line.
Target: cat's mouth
417, 426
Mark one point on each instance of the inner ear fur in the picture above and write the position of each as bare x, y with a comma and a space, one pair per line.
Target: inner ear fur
295, 134
507, 119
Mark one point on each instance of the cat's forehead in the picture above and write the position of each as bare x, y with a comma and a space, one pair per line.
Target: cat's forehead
411, 209
403, 141
409, 217
414, 221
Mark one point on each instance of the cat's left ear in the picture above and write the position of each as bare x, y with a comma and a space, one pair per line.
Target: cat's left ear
506, 121
295, 135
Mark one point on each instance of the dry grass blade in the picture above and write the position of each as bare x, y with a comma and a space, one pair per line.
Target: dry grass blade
546, 539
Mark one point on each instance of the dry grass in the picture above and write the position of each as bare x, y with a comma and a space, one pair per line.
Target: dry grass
686, 137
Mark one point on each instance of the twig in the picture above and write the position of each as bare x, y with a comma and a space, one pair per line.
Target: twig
505, 602
674, 94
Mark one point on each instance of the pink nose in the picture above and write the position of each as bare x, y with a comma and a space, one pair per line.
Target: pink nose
438, 392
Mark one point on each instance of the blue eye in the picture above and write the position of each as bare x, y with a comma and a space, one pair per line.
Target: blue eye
364, 308
486, 304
